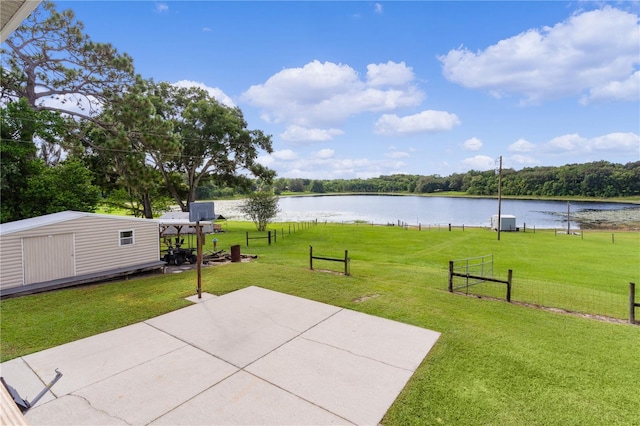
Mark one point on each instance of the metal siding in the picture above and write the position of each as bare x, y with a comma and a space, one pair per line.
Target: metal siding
11, 265
47, 257
96, 245
100, 249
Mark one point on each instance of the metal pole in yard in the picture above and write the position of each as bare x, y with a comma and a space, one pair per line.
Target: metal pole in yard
500, 198
199, 231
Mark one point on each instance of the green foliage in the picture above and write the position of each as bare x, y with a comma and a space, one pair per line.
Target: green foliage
599, 179
65, 186
29, 186
261, 207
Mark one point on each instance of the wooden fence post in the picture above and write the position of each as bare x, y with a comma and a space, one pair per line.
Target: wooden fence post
509, 285
311, 257
451, 276
247, 239
632, 303
346, 262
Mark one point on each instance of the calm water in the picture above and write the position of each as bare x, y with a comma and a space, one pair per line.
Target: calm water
382, 209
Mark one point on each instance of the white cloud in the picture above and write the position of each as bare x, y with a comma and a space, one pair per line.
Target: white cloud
162, 7
284, 155
324, 164
325, 154
74, 103
396, 154
206, 29
479, 162
326, 94
378, 8
218, 94
590, 51
389, 74
301, 134
425, 122
522, 145
620, 142
566, 142
625, 90
523, 160
473, 144
575, 144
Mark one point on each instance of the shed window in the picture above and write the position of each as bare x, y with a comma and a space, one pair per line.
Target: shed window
126, 238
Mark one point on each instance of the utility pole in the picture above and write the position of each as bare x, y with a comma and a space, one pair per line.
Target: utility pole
499, 197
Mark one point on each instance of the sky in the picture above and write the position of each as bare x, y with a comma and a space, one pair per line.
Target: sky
362, 89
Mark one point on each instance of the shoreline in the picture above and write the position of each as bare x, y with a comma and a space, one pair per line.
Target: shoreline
618, 219
635, 200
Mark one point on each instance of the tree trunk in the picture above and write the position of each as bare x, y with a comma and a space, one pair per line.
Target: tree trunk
146, 206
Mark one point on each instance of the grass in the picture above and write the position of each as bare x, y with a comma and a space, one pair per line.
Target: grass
495, 363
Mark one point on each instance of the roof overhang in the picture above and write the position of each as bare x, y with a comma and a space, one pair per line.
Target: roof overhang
12, 13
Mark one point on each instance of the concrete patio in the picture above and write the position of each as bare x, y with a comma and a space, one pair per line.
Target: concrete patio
253, 356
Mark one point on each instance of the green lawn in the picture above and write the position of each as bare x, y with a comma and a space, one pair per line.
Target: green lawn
495, 362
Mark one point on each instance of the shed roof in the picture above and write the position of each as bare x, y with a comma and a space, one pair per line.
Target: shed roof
50, 219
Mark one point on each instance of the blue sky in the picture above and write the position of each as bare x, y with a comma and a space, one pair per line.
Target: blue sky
362, 89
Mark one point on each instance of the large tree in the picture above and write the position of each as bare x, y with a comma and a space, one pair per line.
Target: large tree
124, 145
215, 142
49, 57
49, 61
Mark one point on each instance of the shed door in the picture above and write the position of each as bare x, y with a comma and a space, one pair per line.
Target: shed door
48, 258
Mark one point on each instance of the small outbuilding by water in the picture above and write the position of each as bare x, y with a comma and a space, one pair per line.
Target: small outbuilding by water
507, 222
69, 248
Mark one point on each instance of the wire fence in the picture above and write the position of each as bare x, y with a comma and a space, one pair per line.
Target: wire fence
609, 300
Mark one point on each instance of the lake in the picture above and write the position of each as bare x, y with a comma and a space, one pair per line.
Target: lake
414, 210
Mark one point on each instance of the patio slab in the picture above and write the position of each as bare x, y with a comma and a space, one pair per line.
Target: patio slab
253, 356
244, 399
98, 357
242, 326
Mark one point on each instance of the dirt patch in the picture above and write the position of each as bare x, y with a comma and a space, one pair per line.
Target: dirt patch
328, 271
223, 260
365, 298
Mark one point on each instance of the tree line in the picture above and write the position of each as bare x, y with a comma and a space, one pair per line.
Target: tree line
596, 179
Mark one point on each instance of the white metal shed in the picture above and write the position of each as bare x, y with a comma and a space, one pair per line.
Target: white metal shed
507, 222
69, 248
